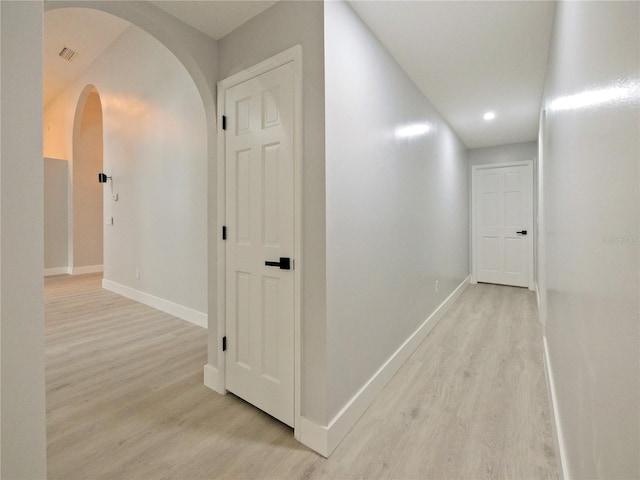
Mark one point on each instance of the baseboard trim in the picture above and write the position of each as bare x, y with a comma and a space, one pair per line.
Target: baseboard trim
50, 272
313, 436
324, 440
86, 269
557, 426
212, 379
180, 311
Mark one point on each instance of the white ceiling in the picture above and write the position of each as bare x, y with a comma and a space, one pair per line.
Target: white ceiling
88, 32
214, 18
468, 57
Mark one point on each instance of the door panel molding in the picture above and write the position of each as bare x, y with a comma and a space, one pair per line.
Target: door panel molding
475, 211
294, 56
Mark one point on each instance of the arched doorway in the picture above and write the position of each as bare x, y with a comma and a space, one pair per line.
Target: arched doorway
152, 125
156, 141
23, 453
85, 222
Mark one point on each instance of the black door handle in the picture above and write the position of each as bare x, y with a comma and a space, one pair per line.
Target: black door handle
523, 232
284, 263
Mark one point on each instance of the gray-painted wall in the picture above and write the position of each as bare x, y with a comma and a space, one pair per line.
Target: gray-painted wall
590, 249
22, 382
397, 207
513, 152
56, 188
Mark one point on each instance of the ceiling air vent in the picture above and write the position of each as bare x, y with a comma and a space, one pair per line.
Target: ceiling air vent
68, 54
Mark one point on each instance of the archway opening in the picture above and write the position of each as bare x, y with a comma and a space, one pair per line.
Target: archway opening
157, 147
86, 224
155, 143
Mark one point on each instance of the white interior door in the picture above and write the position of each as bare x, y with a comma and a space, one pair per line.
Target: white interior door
503, 217
259, 169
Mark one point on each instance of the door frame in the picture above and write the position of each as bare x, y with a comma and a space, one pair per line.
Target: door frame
474, 226
292, 55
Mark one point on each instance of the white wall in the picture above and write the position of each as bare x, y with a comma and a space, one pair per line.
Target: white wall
56, 180
280, 27
155, 148
22, 388
591, 197
514, 152
397, 208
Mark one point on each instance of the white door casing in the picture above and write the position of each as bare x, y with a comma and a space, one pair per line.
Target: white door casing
260, 175
502, 211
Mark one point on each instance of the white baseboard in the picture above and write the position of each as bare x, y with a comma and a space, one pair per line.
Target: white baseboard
180, 311
314, 436
325, 439
558, 436
50, 272
212, 379
86, 269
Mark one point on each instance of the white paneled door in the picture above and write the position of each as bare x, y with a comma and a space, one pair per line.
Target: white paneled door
503, 214
259, 169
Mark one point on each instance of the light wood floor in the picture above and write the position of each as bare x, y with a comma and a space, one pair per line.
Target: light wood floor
125, 399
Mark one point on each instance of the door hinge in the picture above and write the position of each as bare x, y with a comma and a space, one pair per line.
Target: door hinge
224, 232
224, 344
224, 122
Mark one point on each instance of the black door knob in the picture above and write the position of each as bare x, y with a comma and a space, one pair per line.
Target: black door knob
284, 263
523, 232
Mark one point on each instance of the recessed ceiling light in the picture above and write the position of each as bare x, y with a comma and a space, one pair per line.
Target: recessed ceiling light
489, 116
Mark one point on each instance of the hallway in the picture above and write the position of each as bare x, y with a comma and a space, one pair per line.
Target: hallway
125, 399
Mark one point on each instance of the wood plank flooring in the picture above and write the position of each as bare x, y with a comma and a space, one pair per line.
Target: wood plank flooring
125, 400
